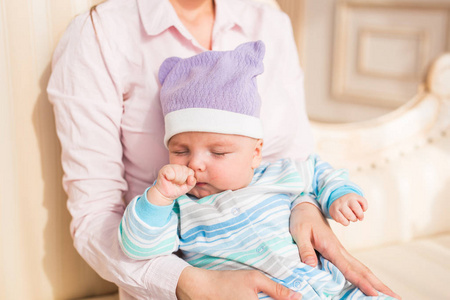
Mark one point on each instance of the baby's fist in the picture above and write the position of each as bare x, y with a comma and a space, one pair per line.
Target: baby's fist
175, 180
350, 207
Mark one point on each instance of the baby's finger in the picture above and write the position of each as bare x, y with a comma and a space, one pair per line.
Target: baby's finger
348, 213
168, 173
181, 174
364, 204
191, 181
340, 218
357, 210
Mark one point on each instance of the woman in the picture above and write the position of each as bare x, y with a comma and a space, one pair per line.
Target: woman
104, 90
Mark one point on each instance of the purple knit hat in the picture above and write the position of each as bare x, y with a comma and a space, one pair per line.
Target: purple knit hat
214, 91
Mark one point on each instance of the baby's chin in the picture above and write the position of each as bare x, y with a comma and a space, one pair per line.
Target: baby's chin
198, 195
201, 193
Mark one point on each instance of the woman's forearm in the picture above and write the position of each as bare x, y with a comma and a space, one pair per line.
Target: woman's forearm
195, 283
96, 239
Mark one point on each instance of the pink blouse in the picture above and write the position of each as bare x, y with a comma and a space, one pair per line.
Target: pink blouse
105, 94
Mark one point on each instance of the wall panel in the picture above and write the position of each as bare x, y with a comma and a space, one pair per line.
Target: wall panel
382, 52
364, 58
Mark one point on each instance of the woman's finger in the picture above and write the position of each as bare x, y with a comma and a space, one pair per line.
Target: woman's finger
302, 235
273, 289
377, 284
325, 242
361, 276
195, 283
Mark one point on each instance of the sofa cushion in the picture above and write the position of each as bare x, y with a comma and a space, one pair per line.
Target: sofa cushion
417, 270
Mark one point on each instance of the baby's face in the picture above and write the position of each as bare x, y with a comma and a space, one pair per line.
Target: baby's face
220, 161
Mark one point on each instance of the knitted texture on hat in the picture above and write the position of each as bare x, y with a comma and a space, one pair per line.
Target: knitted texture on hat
222, 80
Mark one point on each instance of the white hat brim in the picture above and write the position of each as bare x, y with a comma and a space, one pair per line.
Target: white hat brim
211, 120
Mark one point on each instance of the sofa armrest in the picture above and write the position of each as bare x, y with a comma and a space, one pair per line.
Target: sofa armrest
402, 162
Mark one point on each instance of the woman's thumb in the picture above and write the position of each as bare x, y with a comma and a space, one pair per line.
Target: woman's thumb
306, 250
307, 253
277, 291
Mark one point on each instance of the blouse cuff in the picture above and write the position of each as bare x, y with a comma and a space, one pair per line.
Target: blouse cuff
165, 271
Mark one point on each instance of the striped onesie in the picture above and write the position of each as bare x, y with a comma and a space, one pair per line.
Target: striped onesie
246, 228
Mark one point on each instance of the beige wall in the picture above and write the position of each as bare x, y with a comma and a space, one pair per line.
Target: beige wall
365, 58
37, 261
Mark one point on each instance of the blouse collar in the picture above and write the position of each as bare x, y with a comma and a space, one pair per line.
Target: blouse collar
159, 15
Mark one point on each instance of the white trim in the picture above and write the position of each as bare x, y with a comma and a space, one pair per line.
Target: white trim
211, 120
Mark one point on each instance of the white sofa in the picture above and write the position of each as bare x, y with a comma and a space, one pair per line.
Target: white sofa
402, 161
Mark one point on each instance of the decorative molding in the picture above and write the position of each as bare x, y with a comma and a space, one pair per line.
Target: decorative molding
354, 78
419, 37
400, 4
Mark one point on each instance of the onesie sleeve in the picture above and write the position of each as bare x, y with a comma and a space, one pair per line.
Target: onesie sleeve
147, 230
305, 198
327, 184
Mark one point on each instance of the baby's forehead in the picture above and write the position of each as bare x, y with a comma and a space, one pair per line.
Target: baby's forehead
207, 139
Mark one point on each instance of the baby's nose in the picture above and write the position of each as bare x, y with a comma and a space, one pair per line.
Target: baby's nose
197, 163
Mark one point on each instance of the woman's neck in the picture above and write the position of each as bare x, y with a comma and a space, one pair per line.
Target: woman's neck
193, 5
198, 17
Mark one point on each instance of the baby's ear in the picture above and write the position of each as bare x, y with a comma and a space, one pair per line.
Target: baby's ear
257, 154
166, 67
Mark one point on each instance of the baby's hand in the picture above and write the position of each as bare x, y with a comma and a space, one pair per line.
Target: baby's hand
350, 207
173, 181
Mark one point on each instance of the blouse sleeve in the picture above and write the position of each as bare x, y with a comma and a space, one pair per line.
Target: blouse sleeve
328, 184
87, 100
302, 144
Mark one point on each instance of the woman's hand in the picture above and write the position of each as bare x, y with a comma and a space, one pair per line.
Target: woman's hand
310, 231
195, 283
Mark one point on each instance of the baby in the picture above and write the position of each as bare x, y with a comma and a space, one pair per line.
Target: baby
215, 201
